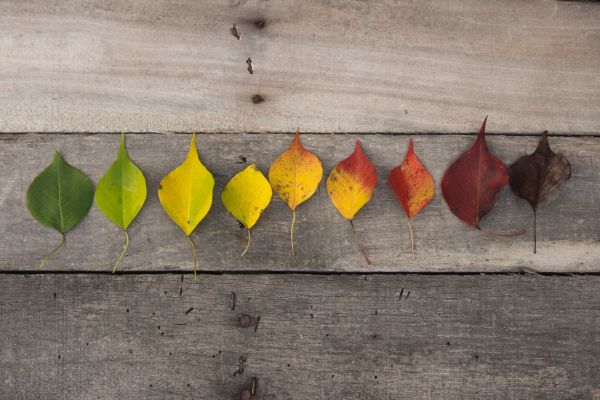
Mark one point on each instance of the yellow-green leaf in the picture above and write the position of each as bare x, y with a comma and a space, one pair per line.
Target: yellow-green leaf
121, 193
186, 194
246, 195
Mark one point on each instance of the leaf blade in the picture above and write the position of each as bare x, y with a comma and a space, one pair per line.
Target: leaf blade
535, 176
295, 175
412, 183
60, 196
186, 192
351, 183
121, 192
247, 195
472, 184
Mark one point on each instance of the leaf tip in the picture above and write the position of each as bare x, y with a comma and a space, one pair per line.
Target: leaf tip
57, 156
358, 147
411, 147
482, 129
193, 147
543, 146
296, 142
122, 143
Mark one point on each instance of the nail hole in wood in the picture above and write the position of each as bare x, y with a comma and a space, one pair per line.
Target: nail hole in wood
257, 99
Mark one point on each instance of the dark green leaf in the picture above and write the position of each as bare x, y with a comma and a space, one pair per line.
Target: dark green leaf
60, 196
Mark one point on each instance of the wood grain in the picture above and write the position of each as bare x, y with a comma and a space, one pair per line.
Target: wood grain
568, 225
333, 66
319, 337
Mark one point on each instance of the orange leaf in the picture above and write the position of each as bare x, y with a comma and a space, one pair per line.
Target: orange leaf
352, 182
296, 174
413, 185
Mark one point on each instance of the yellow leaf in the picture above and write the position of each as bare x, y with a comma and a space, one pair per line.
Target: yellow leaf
296, 174
246, 195
186, 193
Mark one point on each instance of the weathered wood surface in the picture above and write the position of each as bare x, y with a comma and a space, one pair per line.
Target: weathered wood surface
568, 224
319, 337
334, 66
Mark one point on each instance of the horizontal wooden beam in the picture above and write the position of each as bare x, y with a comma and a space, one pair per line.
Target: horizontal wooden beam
336, 66
568, 226
319, 337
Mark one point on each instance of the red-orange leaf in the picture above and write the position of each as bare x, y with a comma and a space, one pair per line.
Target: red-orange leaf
471, 185
352, 182
413, 185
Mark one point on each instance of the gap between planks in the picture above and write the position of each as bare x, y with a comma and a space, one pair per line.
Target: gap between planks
417, 133
518, 272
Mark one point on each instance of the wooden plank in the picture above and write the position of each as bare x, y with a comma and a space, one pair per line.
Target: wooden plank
319, 337
568, 226
335, 66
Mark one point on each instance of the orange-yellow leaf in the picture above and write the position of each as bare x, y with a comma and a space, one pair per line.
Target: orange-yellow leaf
413, 185
352, 182
296, 174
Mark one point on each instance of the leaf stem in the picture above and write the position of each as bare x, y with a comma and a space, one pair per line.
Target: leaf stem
125, 246
360, 245
292, 231
412, 241
47, 256
193, 254
247, 244
534, 231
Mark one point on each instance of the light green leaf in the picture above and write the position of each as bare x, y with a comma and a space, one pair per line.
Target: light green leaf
59, 197
121, 193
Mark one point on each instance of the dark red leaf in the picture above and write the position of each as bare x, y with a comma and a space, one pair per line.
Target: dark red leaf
472, 184
535, 176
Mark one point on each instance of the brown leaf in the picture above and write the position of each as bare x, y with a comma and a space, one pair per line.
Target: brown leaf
535, 176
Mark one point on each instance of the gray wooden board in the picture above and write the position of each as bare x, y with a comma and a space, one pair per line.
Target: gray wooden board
334, 66
319, 337
568, 224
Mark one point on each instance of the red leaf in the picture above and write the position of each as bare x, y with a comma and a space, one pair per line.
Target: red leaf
472, 184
